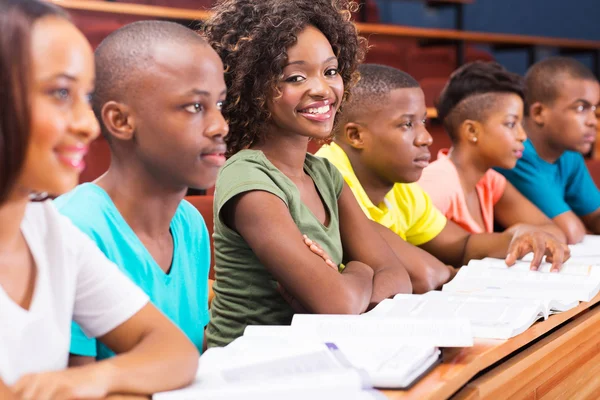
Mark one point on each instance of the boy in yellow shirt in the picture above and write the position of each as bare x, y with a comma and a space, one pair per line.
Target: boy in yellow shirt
381, 147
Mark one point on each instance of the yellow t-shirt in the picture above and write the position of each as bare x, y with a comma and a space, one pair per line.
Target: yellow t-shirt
406, 209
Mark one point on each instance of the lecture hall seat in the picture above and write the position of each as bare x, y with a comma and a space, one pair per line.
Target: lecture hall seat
204, 204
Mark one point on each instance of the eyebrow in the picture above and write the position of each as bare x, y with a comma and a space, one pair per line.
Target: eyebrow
63, 76
205, 93
300, 62
584, 101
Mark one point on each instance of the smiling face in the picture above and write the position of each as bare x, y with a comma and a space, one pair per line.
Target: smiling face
311, 88
501, 134
570, 121
176, 112
62, 121
395, 140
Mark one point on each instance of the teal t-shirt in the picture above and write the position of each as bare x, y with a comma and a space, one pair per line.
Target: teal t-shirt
555, 188
182, 294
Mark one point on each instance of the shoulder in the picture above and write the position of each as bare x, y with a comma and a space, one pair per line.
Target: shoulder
440, 175
571, 160
321, 165
190, 217
87, 206
53, 233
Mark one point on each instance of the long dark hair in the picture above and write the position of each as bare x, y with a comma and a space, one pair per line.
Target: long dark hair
16, 21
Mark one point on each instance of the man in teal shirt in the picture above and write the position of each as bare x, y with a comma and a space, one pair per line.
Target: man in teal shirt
561, 124
159, 90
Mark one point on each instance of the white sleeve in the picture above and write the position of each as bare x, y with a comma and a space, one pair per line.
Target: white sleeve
104, 296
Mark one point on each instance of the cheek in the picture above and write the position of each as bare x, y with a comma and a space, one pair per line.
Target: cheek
337, 86
288, 101
48, 128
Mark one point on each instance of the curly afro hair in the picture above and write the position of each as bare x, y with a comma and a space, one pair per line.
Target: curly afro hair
252, 38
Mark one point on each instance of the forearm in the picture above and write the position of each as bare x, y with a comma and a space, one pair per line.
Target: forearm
157, 363
389, 281
483, 245
6, 393
358, 281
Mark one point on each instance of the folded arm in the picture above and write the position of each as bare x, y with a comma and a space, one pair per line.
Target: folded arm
264, 221
363, 242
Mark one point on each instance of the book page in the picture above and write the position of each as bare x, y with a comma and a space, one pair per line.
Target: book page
346, 384
571, 267
509, 282
447, 332
490, 317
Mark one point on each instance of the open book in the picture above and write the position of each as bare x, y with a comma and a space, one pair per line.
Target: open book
388, 362
557, 291
263, 368
490, 317
448, 331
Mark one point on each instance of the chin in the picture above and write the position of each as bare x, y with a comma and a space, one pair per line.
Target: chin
584, 148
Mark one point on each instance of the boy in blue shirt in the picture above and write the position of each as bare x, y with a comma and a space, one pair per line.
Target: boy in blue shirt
159, 92
560, 121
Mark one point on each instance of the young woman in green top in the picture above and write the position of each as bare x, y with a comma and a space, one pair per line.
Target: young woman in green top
289, 66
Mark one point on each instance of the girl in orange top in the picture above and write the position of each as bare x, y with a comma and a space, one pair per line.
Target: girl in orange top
482, 110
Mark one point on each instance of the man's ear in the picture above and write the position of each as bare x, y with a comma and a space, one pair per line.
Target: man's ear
118, 120
354, 135
470, 131
537, 113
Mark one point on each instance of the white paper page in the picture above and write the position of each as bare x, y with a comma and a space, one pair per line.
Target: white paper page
387, 361
571, 267
590, 246
490, 317
507, 281
449, 332
347, 383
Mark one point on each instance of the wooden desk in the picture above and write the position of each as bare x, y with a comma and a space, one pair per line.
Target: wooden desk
558, 357
133, 9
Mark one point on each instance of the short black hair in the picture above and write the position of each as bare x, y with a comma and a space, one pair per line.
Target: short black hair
126, 52
375, 83
541, 80
472, 91
17, 18
252, 38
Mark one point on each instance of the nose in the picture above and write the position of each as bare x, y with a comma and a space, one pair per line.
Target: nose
319, 87
216, 126
84, 122
521, 134
592, 119
423, 138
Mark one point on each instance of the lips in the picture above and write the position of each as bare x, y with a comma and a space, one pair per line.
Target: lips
215, 157
518, 153
423, 160
319, 111
72, 156
590, 138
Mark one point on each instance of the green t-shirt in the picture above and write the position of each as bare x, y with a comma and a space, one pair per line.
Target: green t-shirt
245, 292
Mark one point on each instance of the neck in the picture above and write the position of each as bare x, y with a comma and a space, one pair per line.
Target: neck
286, 152
374, 186
545, 149
146, 204
12, 212
469, 167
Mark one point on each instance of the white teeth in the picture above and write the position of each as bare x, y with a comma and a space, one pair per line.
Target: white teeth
319, 110
75, 157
